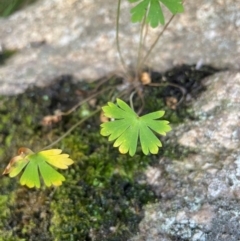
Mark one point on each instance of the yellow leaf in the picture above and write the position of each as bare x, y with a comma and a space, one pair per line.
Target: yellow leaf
34, 163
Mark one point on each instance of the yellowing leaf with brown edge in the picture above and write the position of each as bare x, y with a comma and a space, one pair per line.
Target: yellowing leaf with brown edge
41, 162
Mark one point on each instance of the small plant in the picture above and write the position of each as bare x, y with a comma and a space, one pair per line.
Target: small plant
33, 163
147, 12
125, 128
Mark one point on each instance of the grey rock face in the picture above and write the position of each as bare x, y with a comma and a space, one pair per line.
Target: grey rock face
55, 37
199, 194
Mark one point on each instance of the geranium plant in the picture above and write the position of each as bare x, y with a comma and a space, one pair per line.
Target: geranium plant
126, 128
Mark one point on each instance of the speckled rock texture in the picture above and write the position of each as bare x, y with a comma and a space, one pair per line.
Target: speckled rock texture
56, 37
199, 192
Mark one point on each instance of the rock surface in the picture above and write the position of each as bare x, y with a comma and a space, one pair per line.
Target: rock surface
199, 193
56, 37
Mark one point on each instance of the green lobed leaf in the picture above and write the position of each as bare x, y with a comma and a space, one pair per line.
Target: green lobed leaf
125, 107
113, 111
30, 176
128, 128
149, 141
154, 10
127, 142
155, 14
34, 163
50, 175
175, 6
114, 129
150, 120
139, 11
18, 167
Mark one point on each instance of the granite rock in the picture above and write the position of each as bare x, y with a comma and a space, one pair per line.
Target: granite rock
59, 37
199, 192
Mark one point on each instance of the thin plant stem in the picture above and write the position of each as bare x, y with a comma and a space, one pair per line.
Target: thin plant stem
159, 36
142, 106
117, 37
140, 46
156, 40
145, 34
79, 122
71, 129
131, 99
123, 93
83, 101
131, 102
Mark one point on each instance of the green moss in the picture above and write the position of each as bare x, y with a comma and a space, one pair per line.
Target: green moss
81, 211
7, 199
100, 193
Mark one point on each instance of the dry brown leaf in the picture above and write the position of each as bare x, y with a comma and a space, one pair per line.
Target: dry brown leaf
92, 102
145, 78
103, 118
50, 119
171, 102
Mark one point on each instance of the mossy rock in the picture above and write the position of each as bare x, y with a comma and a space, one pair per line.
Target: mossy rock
104, 191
